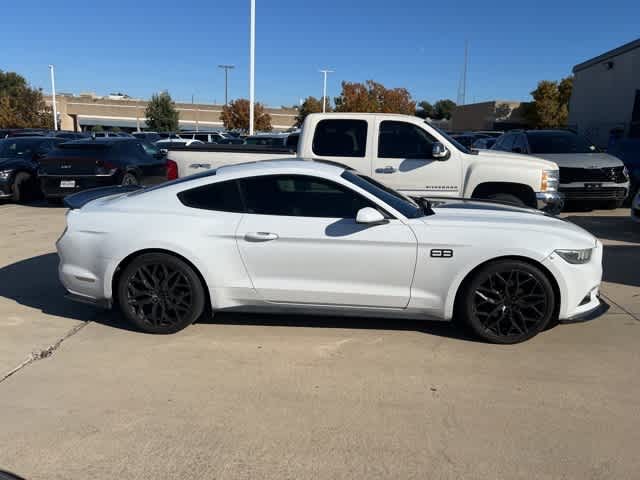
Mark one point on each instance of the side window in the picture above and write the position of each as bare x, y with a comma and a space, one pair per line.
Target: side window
222, 196
519, 145
340, 138
301, 196
203, 137
507, 142
403, 140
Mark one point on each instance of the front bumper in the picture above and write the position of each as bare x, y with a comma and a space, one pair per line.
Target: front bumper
594, 191
5, 187
592, 313
550, 202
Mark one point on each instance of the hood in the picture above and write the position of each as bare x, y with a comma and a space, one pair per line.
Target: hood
471, 215
517, 157
7, 163
582, 160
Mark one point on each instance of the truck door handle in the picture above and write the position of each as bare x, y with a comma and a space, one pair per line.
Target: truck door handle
200, 165
387, 169
260, 237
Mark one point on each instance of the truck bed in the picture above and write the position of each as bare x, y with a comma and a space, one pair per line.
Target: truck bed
197, 158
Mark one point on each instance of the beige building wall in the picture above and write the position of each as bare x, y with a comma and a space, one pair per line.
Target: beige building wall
77, 111
604, 91
496, 114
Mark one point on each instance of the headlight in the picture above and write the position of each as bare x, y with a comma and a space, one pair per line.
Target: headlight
5, 173
576, 257
625, 172
550, 180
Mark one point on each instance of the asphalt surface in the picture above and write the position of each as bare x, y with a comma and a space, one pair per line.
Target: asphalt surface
255, 396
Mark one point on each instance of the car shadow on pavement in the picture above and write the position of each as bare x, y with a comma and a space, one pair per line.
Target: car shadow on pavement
621, 229
34, 283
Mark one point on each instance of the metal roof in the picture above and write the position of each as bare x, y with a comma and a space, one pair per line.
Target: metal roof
606, 56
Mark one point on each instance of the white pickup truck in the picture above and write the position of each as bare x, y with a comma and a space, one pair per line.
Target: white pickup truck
403, 152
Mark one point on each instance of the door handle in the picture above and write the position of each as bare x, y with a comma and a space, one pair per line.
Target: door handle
387, 169
260, 237
200, 165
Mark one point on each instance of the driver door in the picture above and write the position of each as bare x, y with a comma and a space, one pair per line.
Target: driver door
301, 245
403, 161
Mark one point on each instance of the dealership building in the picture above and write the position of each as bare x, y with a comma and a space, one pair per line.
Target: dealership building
605, 103
87, 110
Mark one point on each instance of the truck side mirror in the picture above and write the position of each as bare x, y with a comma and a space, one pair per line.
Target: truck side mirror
439, 152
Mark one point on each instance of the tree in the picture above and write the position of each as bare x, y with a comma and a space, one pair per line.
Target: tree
20, 105
374, 97
97, 128
161, 113
310, 105
235, 116
115, 129
425, 110
550, 106
443, 109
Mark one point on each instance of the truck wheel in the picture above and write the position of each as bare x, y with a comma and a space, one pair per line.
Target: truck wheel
507, 198
22, 187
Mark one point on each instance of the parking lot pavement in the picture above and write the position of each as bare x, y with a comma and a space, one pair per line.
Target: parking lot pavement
256, 396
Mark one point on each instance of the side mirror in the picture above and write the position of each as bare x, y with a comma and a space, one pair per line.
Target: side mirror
164, 151
370, 216
439, 152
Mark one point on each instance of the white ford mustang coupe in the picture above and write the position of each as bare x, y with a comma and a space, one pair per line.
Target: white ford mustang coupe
315, 237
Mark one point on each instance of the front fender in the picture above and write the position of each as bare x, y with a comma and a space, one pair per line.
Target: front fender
491, 170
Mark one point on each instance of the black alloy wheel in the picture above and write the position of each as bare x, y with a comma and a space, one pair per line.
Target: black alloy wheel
129, 179
160, 293
509, 302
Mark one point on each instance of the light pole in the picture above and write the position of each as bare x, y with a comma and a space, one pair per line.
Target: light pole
226, 81
252, 62
324, 89
53, 97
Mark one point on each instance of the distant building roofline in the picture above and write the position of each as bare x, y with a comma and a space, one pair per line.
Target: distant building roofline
610, 54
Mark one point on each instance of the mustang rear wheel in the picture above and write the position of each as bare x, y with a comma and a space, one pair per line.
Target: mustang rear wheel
160, 293
508, 302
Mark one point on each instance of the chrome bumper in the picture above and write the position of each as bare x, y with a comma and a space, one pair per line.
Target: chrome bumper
550, 202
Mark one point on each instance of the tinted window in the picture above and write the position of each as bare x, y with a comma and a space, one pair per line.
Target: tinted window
300, 196
19, 147
292, 141
402, 204
559, 142
203, 137
507, 142
223, 196
403, 140
519, 145
340, 138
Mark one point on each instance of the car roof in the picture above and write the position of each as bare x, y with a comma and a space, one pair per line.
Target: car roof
301, 166
103, 140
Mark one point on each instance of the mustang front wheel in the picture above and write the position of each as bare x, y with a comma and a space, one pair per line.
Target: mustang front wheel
160, 293
508, 302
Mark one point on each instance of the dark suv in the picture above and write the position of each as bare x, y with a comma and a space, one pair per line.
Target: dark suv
83, 164
586, 174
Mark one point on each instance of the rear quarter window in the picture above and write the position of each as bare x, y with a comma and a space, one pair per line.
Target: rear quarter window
221, 196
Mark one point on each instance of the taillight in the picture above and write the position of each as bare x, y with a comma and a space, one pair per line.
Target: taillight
172, 170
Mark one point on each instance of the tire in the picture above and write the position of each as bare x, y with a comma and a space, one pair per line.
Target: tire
55, 201
612, 204
507, 198
160, 294
22, 187
129, 179
507, 301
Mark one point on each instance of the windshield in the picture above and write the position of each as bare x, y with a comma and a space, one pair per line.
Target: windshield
450, 139
559, 142
399, 202
18, 147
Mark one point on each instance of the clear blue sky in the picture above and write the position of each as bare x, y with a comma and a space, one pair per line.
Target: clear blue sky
140, 47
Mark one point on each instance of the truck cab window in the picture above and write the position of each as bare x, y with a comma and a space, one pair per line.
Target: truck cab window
404, 140
340, 138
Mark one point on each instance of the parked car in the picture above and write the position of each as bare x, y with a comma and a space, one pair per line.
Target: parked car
586, 174
108, 134
27, 132
628, 150
179, 142
83, 164
206, 137
282, 140
403, 152
484, 143
466, 140
489, 133
231, 141
19, 157
635, 207
150, 137
317, 238
69, 135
